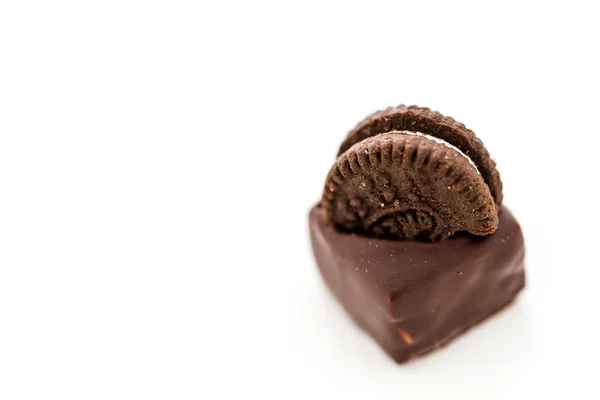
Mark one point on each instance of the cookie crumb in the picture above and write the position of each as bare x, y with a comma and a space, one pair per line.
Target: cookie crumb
407, 337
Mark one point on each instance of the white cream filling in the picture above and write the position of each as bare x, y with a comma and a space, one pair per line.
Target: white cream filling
437, 140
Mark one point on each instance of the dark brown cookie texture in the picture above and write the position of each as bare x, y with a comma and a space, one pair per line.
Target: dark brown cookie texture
407, 185
422, 119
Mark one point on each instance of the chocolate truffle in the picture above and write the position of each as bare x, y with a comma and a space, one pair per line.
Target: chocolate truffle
411, 235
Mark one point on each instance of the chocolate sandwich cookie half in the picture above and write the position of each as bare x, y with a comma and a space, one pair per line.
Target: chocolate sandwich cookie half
411, 235
422, 119
407, 184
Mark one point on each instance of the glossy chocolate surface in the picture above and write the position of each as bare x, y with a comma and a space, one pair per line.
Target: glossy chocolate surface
414, 296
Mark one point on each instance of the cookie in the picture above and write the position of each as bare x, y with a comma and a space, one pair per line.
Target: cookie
421, 119
406, 184
405, 180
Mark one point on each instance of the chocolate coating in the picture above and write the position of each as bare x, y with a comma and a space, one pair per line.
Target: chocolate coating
414, 296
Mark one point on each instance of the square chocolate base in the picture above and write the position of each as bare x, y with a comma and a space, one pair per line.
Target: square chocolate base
413, 297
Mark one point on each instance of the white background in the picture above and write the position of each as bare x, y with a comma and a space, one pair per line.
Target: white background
158, 161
